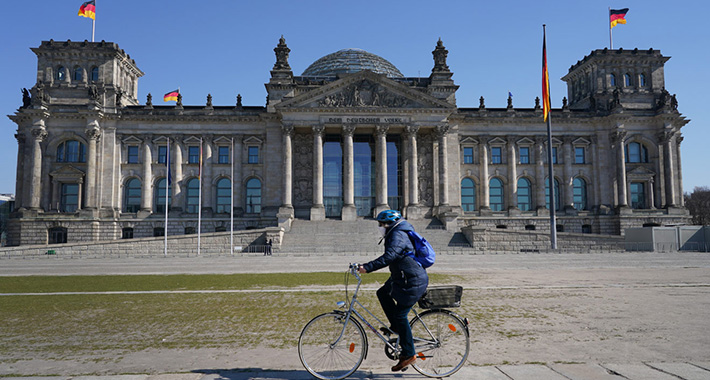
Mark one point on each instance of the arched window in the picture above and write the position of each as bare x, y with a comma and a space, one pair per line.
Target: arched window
193, 196
71, 151
78, 74
224, 195
95, 74
159, 196
61, 73
524, 197
496, 194
642, 80
253, 201
579, 193
468, 195
132, 196
612, 80
636, 153
627, 80
547, 194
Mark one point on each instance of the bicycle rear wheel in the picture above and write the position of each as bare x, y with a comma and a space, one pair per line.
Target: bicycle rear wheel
323, 354
440, 341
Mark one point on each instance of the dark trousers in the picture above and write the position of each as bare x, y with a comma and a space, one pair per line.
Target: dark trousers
398, 318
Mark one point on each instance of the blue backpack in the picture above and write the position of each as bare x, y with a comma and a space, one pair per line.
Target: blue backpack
423, 252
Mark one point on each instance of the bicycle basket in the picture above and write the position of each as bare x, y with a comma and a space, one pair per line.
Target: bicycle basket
441, 296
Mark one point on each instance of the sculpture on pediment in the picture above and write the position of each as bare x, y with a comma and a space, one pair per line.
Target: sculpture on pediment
282, 51
365, 94
26, 98
440, 54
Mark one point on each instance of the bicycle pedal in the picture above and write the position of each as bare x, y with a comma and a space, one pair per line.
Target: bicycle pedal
405, 368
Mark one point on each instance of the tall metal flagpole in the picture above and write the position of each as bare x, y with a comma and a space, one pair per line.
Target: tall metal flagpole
93, 24
611, 45
551, 179
199, 201
167, 187
231, 209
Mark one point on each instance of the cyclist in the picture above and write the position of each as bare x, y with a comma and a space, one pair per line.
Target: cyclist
407, 283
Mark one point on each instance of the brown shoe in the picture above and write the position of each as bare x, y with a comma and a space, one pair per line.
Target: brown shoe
403, 363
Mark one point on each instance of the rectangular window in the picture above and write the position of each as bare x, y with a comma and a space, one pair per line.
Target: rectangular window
253, 155
468, 155
70, 197
496, 155
224, 155
554, 154
193, 156
524, 155
162, 154
579, 155
127, 233
132, 154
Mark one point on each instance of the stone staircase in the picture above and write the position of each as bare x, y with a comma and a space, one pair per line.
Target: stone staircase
361, 237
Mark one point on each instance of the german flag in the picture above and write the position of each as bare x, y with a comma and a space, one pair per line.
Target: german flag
88, 9
617, 16
545, 80
172, 95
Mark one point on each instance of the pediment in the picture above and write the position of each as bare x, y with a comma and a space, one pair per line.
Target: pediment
640, 173
132, 140
525, 141
192, 140
497, 141
581, 141
364, 90
222, 140
253, 140
67, 172
468, 140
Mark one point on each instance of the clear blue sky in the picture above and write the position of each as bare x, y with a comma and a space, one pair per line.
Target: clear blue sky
225, 47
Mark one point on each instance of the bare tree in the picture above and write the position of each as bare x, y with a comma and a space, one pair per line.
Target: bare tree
698, 204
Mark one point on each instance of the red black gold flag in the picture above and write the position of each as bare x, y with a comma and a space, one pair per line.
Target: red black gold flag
88, 9
172, 95
617, 16
545, 80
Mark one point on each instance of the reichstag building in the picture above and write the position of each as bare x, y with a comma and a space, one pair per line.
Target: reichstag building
347, 138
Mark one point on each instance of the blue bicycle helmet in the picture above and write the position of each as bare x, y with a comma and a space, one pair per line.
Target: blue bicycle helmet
388, 216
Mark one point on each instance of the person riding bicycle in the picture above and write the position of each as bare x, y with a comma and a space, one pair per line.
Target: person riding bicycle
407, 283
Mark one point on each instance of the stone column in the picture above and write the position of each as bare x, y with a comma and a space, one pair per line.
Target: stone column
349, 211
381, 164
207, 175
39, 133
670, 166
441, 133
617, 138
413, 204
238, 173
318, 210
287, 169
596, 198
147, 188
485, 200
540, 174
651, 198
93, 134
177, 201
512, 175
660, 168
568, 158
20, 175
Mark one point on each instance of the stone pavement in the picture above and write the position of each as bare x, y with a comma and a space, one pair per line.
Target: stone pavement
633, 371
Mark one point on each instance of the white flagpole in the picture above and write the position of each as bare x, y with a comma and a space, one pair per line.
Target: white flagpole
611, 44
93, 24
167, 187
199, 201
231, 208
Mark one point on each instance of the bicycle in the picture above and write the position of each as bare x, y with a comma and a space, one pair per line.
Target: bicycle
333, 345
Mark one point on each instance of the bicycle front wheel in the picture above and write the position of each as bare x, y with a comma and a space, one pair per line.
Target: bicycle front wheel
329, 348
441, 343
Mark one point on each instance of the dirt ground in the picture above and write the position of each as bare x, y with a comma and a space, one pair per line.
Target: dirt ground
517, 316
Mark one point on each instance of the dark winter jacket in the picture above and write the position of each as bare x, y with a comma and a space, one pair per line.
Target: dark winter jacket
409, 279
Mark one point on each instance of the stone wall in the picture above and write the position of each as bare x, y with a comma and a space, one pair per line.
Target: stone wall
498, 240
216, 243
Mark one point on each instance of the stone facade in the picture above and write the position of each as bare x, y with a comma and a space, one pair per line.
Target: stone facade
93, 162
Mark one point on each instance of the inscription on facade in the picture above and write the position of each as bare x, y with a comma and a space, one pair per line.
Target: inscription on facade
364, 120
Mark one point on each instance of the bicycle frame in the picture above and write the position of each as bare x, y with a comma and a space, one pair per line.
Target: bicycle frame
352, 311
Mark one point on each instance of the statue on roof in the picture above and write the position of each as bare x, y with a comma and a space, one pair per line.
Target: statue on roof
282, 51
440, 54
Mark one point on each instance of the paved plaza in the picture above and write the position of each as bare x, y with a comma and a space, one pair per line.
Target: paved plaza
655, 303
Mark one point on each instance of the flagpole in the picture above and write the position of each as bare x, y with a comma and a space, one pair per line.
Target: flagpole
551, 179
167, 187
611, 45
199, 201
93, 24
231, 208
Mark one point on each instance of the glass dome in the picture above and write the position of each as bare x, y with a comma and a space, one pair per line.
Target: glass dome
348, 61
